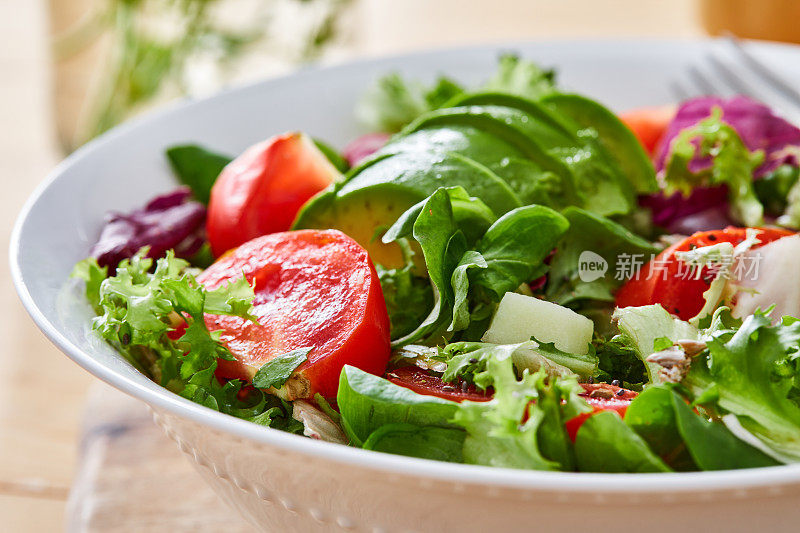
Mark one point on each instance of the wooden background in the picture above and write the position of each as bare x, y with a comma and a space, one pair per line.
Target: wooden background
42, 393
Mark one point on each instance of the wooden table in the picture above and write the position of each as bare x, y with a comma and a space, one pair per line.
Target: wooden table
42, 393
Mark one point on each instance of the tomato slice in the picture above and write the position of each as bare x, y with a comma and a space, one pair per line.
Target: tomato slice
314, 288
602, 397
421, 382
261, 191
649, 124
667, 281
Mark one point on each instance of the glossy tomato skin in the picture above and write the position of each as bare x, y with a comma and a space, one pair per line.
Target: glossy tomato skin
261, 191
649, 124
421, 382
602, 397
665, 281
313, 288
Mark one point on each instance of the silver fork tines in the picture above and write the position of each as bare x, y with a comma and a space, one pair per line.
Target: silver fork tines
733, 69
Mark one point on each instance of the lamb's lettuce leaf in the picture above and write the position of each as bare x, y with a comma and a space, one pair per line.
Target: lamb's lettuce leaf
712, 445
368, 402
426, 442
197, 167
604, 443
684, 438
470, 273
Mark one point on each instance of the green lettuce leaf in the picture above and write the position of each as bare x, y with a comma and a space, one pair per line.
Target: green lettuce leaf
144, 301
408, 298
392, 102
522, 78
468, 360
523, 425
754, 373
641, 327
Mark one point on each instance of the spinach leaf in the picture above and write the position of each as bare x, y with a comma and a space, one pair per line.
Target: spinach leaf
652, 417
276, 371
197, 168
604, 242
712, 445
604, 443
426, 442
515, 247
469, 277
367, 402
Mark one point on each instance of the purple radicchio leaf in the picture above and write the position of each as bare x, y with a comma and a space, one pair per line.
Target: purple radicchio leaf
707, 208
363, 147
756, 124
169, 221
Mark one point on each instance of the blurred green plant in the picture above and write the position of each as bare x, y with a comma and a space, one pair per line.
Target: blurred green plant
153, 42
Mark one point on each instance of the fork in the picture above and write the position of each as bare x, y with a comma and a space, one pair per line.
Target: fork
739, 72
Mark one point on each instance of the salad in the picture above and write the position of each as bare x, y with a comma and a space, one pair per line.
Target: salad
507, 275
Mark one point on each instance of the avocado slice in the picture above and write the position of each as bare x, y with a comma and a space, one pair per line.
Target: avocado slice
513, 126
618, 139
363, 215
424, 172
590, 178
537, 111
370, 202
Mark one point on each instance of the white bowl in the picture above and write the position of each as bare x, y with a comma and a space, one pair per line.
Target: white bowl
284, 482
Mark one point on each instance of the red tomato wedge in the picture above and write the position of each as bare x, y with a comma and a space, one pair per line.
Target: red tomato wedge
602, 397
649, 124
314, 288
421, 382
261, 191
665, 280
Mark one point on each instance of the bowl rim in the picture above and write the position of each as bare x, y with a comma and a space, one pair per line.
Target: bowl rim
163, 399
